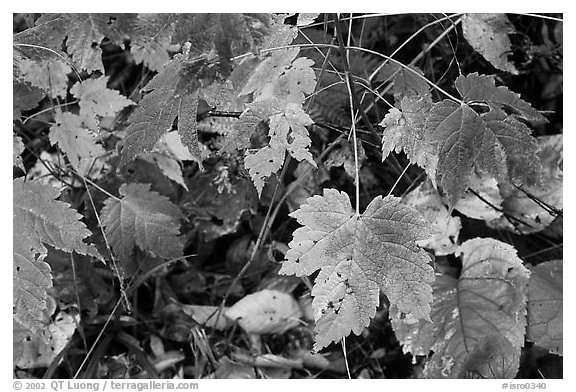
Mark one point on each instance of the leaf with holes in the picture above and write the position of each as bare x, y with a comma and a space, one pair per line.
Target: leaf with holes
145, 219
357, 255
488, 35
496, 142
287, 133
38, 219
545, 317
75, 140
97, 100
486, 302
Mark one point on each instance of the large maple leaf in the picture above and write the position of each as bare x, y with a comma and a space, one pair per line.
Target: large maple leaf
39, 219
461, 139
487, 303
357, 255
145, 219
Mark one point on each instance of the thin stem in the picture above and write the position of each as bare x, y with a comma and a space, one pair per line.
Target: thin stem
48, 110
353, 104
399, 63
100, 334
56, 53
375, 72
346, 357
541, 16
399, 178
101, 226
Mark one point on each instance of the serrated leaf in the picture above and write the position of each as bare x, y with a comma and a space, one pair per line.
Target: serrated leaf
345, 300
49, 76
475, 87
142, 218
76, 141
487, 300
545, 318
267, 73
287, 133
175, 92
405, 130
496, 143
357, 253
17, 149
488, 35
39, 219
85, 33
97, 100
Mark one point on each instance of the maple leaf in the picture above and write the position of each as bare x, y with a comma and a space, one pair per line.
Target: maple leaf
495, 142
77, 142
97, 100
287, 133
545, 315
49, 76
475, 87
267, 73
280, 84
38, 219
487, 302
488, 35
142, 218
356, 255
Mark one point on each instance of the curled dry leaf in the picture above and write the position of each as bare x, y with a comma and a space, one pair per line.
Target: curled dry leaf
266, 311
